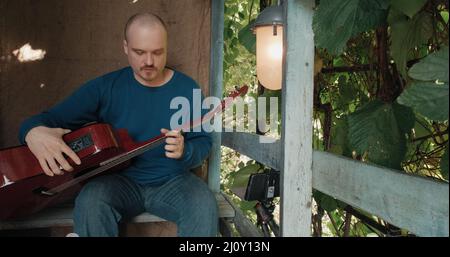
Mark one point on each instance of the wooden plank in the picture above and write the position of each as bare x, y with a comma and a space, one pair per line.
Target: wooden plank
297, 110
243, 225
415, 203
62, 216
225, 227
215, 87
225, 209
249, 144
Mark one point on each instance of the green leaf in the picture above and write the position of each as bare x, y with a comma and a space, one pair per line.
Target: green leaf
341, 204
247, 38
431, 68
229, 32
405, 117
428, 99
234, 9
247, 206
444, 15
327, 202
335, 22
444, 164
339, 140
241, 15
347, 91
408, 7
406, 34
375, 129
395, 16
241, 176
339, 132
419, 129
338, 61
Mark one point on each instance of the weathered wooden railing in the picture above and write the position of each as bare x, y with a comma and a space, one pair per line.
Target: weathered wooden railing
417, 204
410, 202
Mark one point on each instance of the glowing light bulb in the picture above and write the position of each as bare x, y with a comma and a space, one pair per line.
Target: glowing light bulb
275, 51
269, 53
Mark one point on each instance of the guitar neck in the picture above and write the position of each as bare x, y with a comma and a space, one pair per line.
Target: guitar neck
189, 126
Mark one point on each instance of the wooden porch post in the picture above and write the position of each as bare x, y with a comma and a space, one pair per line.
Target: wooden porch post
215, 86
297, 111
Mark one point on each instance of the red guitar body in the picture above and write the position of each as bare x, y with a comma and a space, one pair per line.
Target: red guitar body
22, 179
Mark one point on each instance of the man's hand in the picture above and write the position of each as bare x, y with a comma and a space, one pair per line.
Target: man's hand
174, 143
48, 147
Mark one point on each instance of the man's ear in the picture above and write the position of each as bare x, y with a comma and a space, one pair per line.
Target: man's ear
125, 46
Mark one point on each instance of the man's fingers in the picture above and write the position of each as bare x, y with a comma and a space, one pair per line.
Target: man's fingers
173, 141
171, 148
45, 167
72, 155
63, 131
172, 155
55, 169
171, 133
63, 162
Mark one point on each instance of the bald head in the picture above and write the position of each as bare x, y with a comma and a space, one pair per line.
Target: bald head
145, 45
143, 20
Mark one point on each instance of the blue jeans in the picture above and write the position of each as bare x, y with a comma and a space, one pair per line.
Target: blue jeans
106, 200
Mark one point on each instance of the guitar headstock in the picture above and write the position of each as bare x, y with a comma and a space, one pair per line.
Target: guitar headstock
223, 104
239, 91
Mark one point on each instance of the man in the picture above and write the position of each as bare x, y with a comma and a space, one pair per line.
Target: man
136, 98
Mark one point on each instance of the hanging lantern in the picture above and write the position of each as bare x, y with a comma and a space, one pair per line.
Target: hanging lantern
268, 28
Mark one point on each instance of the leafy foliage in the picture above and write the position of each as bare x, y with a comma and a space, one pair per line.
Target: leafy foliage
327, 202
429, 98
431, 68
410, 134
407, 34
335, 22
339, 139
239, 43
240, 177
378, 129
408, 7
247, 39
444, 164
366, 49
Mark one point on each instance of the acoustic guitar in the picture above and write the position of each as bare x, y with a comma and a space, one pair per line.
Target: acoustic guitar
26, 189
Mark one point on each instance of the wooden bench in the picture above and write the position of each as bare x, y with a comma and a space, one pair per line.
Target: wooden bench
59, 219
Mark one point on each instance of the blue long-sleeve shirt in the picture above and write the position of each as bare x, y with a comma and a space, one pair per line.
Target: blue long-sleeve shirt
119, 99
